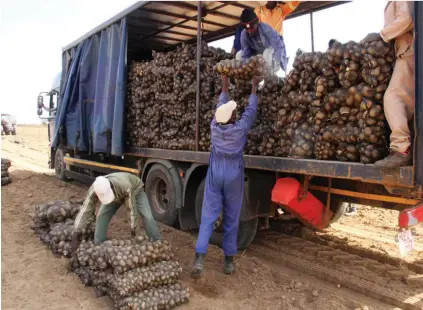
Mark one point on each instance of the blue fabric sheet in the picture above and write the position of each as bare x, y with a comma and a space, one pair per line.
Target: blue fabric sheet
92, 93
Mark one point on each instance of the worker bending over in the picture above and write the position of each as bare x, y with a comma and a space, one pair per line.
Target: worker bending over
274, 13
260, 38
113, 190
399, 98
225, 176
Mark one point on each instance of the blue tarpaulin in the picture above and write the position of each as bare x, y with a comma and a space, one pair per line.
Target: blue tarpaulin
92, 93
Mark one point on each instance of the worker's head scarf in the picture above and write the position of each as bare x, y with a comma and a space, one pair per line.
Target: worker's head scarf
248, 18
224, 112
103, 190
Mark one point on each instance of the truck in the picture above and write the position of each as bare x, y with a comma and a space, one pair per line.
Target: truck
8, 124
52, 95
89, 139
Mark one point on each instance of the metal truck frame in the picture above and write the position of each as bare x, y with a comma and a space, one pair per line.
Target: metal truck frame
174, 180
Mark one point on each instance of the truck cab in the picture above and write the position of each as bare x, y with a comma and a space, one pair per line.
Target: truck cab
52, 97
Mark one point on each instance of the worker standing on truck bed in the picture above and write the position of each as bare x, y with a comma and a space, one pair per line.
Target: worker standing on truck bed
274, 13
399, 98
260, 38
225, 176
113, 190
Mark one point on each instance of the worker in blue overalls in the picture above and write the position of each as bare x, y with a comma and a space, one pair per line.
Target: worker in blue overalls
225, 176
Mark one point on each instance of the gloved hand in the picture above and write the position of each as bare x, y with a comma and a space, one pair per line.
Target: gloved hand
371, 37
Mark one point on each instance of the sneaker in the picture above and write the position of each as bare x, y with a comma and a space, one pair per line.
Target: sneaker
396, 160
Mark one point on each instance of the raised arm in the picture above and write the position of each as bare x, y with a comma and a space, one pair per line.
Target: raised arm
224, 95
250, 112
274, 40
247, 52
403, 21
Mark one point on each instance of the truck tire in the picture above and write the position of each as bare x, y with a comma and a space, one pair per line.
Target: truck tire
161, 192
59, 165
14, 132
246, 232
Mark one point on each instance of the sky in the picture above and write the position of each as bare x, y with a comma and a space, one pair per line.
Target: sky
33, 33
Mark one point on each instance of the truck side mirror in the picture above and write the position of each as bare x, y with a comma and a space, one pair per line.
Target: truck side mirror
40, 102
39, 112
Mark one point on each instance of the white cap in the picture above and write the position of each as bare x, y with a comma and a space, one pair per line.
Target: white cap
224, 112
104, 191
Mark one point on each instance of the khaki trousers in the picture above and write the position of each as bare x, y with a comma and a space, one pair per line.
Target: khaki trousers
399, 103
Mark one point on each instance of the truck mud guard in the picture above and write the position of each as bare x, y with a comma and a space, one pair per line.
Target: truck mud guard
411, 217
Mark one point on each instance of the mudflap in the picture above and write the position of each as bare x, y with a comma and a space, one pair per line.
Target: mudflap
411, 217
309, 210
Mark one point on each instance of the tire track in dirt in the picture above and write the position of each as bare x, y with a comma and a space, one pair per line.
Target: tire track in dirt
384, 282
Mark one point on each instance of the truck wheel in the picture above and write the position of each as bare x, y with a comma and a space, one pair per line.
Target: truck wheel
59, 164
161, 192
246, 230
338, 207
14, 132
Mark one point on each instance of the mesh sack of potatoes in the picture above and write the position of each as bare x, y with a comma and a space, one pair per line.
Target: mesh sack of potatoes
377, 63
123, 255
347, 58
160, 298
60, 236
254, 66
45, 216
171, 77
56, 212
142, 278
5, 178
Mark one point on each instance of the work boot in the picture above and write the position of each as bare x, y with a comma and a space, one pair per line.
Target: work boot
228, 265
395, 160
197, 268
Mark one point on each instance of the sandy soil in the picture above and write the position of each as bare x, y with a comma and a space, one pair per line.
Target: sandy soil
32, 278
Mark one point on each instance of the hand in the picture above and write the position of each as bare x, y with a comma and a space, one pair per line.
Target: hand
225, 79
75, 241
256, 80
371, 37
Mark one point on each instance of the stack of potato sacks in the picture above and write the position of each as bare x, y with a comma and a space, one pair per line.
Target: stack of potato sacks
352, 115
5, 165
135, 273
329, 107
162, 99
54, 224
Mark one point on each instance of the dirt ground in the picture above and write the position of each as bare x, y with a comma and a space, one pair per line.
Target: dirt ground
32, 278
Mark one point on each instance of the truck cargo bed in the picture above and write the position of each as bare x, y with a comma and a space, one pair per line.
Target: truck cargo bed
331, 169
